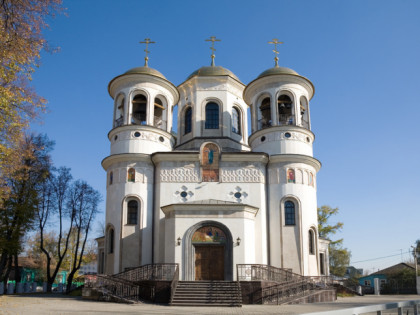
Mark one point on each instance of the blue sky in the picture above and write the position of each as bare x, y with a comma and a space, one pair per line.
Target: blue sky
362, 56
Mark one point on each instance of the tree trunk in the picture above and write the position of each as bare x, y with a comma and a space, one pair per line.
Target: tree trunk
17, 270
3, 263
8, 269
69, 281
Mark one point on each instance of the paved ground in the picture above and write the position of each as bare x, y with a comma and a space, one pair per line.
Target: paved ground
58, 304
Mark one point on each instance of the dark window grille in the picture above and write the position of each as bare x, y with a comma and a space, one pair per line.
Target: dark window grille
132, 208
289, 213
311, 242
212, 116
187, 120
111, 241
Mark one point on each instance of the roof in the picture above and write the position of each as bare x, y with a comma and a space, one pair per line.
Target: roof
211, 71
28, 262
145, 70
393, 269
277, 70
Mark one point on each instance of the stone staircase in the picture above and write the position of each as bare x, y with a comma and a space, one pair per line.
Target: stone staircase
207, 293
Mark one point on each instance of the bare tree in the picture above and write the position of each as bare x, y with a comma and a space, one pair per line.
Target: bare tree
82, 206
51, 205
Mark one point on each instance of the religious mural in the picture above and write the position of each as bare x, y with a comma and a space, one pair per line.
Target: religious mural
210, 163
209, 234
131, 175
291, 176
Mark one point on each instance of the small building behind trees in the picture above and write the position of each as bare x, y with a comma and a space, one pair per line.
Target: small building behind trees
397, 279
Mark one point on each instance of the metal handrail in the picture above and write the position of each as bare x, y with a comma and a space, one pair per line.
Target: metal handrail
286, 283
174, 283
119, 288
149, 272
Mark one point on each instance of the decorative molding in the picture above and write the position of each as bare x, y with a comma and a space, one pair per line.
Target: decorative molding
183, 194
183, 174
242, 175
238, 194
279, 176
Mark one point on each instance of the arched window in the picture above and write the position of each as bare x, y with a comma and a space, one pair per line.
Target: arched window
188, 120
311, 179
158, 115
139, 110
236, 121
284, 104
111, 177
265, 110
119, 115
110, 241
291, 176
322, 263
304, 117
289, 213
132, 211
311, 239
131, 175
212, 116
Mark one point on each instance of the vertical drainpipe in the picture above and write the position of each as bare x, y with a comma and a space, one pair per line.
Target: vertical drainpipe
267, 201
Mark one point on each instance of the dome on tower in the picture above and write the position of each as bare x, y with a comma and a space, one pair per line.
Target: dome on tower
210, 71
145, 70
276, 71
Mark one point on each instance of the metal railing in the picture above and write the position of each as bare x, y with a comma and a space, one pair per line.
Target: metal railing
286, 120
174, 283
253, 272
119, 288
288, 285
149, 272
399, 306
119, 122
284, 292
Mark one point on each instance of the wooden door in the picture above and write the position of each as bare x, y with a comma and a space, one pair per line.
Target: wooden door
209, 262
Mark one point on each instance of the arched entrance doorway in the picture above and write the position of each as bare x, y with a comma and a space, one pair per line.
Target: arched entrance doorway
209, 261
208, 253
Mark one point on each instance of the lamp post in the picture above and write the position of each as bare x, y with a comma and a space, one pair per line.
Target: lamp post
415, 262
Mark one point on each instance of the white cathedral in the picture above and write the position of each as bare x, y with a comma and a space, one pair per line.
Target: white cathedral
211, 197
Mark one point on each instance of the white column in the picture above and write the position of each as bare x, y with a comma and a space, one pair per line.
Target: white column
376, 286
274, 116
150, 110
127, 102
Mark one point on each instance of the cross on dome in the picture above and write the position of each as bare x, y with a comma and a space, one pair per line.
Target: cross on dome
212, 39
146, 41
276, 42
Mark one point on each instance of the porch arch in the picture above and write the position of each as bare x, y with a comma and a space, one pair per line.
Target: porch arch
189, 250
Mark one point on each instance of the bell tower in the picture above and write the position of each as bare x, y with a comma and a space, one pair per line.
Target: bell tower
141, 125
279, 100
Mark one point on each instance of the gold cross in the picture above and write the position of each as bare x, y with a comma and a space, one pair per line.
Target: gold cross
276, 42
147, 41
212, 39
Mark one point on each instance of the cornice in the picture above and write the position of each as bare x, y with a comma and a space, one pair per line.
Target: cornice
146, 78
296, 158
124, 157
286, 128
140, 128
281, 79
252, 157
195, 209
175, 156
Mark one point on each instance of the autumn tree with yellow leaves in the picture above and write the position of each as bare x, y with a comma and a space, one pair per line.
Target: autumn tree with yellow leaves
21, 42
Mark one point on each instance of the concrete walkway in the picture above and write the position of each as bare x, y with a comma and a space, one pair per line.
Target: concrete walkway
59, 304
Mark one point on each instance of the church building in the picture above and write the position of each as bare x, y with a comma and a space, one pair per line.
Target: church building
211, 196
